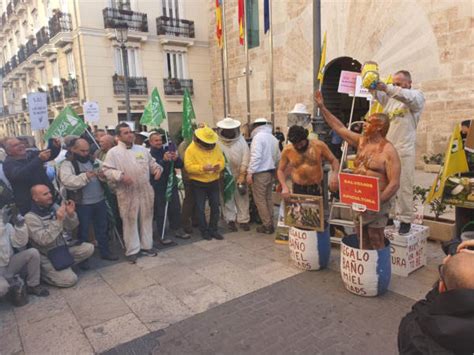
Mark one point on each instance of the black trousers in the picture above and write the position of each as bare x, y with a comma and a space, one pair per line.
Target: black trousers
202, 192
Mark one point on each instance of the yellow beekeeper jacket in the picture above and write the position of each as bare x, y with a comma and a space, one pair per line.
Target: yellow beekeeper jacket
196, 158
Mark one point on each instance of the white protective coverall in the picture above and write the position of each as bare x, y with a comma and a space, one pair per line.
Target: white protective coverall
404, 108
136, 200
237, 153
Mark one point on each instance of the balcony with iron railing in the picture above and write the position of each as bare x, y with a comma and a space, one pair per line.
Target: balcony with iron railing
42, 37
136, 85
70, 88
55, 95
13, 62
136, 21
60, 22
30, 48
175, 87
167, 26
22, 54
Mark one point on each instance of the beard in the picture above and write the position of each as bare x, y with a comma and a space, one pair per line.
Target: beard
304, 148
81, 159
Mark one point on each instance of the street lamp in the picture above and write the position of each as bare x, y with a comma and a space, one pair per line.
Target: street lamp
121, 33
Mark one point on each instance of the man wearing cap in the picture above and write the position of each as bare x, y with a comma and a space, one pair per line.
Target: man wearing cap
237, 153
305, 158
264, 157
130, 166
404, 106
204, 162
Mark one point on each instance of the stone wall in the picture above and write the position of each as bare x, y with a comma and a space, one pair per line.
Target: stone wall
432, 39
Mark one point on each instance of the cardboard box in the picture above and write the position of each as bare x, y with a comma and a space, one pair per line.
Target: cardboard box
408, 252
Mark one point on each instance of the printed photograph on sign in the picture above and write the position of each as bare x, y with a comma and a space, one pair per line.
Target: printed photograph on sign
304, 211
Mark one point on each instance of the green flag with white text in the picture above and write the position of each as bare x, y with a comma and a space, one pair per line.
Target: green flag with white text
154, 113
189, 117
67, 123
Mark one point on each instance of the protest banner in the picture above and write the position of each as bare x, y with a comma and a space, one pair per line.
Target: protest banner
309, 250
347, 82
359, 189
91, 111
38, 110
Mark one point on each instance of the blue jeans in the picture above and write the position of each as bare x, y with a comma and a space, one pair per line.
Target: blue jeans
210, 191
97, 215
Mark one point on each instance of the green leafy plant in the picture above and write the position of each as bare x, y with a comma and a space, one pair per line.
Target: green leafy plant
438, 208
420, 193
434, 159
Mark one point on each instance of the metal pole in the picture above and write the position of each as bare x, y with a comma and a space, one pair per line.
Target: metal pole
125, 74
80, 53
272, 89
247, 67
224, 94
226, 60
316, 49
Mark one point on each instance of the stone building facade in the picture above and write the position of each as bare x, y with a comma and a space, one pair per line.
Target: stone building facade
69, 49
432, 39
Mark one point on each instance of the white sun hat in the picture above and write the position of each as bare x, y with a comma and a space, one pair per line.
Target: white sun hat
300, 108
228, 123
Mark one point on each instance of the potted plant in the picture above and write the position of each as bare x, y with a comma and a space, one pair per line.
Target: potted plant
419, 199
440, 229
433, 163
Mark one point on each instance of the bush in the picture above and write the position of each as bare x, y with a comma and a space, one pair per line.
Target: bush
420, 193
438, 208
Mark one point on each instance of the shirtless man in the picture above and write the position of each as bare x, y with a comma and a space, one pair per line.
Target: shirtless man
377, 157
304, 158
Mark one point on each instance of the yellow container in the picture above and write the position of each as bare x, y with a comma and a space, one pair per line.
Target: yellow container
370, 75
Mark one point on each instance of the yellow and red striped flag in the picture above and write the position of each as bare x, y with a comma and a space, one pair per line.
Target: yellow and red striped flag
220, 39
241, 22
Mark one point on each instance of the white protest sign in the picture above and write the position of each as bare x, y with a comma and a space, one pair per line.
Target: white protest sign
347, 82
360, 91
91, 111
38, 109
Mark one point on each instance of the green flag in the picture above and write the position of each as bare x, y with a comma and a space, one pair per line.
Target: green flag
187, 127
170, 183
154, 113
67, 123
229, 182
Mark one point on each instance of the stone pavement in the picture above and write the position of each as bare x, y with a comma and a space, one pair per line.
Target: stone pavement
237, 295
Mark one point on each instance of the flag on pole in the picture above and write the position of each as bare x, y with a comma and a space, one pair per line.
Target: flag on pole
154, 113
67, 123
455, 162
322, 62
266, 15
220, 39
229, 182
241, 22
170, 183
188, 124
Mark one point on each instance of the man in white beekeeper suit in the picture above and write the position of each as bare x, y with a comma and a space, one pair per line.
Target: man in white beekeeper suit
404, 106
130, 166
237, 153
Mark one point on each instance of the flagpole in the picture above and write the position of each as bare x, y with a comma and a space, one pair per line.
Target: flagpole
226, 63
162, 238
247, 67
224, 98
272, 89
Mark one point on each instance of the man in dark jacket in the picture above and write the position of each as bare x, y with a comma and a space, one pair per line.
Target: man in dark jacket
443, 323
165, 157
26, 169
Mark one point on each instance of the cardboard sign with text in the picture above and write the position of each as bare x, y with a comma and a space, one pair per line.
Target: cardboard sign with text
360, 189
347, 82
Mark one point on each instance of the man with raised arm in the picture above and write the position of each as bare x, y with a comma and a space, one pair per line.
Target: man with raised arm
376, 157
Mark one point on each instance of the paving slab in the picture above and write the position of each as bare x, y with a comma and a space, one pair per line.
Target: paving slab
9, 334
59, 334
93, 301
156, 307
115, 332
125, 277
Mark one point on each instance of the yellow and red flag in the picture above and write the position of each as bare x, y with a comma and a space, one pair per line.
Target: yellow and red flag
220, 39
241, 22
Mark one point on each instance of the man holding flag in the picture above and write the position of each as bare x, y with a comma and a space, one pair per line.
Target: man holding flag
166, 188
130, 166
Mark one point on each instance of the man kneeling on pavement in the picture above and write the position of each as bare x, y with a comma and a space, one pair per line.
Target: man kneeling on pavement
46, 223
15, 258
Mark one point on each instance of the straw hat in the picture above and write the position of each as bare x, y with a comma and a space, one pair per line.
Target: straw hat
207, 135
